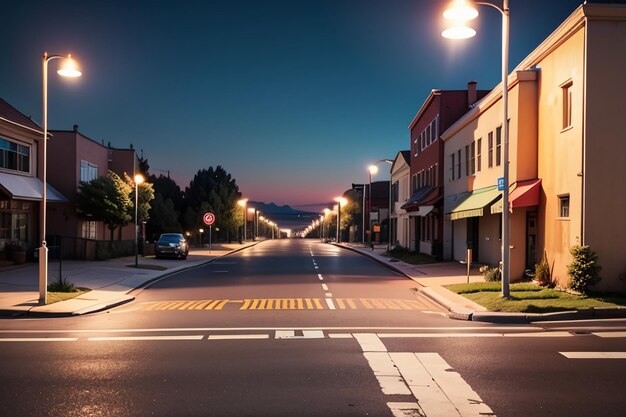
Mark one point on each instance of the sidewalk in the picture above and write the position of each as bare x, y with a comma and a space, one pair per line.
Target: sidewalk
433, 277
110, 281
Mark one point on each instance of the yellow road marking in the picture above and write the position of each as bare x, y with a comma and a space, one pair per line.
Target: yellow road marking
284, 304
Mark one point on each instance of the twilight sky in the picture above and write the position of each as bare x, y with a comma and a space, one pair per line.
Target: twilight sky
293, 98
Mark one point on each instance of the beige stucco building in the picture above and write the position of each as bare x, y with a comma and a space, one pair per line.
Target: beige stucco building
400, 193
567, 150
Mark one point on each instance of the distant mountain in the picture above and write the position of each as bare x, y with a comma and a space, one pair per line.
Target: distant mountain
285, 216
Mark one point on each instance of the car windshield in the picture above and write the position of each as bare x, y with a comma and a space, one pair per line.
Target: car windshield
170, 238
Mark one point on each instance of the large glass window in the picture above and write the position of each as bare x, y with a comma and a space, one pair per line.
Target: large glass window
490, 144
88, 171
14, 156
499, 146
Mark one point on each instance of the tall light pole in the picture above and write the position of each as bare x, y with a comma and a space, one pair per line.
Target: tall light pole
373, 170
243, 203
340, 203
461, 12
138, 180
68, 69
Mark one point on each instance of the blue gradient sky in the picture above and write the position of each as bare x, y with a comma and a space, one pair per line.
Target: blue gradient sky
294, 98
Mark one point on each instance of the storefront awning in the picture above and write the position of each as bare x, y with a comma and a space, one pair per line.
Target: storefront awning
421, 211
474, 205
525, 194
425, 196
19, 187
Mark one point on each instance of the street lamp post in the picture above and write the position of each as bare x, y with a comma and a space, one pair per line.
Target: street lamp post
340, 203
68, 69
138, 180
243, 203
373, 170
461, 12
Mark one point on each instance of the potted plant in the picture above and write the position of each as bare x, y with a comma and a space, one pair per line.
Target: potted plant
16, 251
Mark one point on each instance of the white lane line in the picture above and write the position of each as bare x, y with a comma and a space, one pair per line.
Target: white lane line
306, 334
443, 335
370, 342
339, 336
329, 295
38, 339
325, 287
142, 338
610, 334
389, 379
236, 329
432, 399
238, 336
594, 355
405, 409
316, 267
329, 302
458, 392
320, 277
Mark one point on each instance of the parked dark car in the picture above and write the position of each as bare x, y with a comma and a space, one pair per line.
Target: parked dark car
171, 245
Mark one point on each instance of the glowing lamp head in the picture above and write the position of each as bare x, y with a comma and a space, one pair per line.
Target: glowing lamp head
139, 179
69, 68
373, 169
242, 202
458, 32
460, 10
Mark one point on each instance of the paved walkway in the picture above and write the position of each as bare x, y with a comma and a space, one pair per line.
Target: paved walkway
110, 281
433, 277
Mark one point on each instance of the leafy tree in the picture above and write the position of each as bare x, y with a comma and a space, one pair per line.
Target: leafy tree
144, 166
216, 191
105, 199
146, 195
163, 217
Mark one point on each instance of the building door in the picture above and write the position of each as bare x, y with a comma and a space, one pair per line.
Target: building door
473, 236
531, 239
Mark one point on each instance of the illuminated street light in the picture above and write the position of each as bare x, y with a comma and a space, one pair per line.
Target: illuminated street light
373, 170
460, 12
243, 203
68, 69
138, 180
340, 203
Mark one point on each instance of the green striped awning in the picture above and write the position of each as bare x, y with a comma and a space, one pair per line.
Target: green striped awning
474, 205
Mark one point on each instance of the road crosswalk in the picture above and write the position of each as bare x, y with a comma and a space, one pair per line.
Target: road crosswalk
281, 304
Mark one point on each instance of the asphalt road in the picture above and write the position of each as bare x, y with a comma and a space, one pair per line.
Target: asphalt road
301, 328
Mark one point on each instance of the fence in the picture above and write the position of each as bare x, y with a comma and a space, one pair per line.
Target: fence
89, 249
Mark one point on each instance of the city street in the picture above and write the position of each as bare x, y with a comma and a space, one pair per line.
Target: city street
297, 327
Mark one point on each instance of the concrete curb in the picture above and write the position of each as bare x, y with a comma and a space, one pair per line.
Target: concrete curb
458, 312
114, 302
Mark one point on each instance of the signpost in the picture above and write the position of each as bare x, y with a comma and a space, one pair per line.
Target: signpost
209, 219
501, 184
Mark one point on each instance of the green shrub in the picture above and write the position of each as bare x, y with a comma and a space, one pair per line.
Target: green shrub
491, 274
543, 273
62, 285
584, 269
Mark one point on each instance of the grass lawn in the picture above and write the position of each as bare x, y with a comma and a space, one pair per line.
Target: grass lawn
531, 298
55, 297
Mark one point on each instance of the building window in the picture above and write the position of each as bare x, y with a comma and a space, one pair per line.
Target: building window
499, 146
490, 144
567, 104
14, 156
473, 158
88, 230
564, 206
479, 145
437, 175
458, 163
88, 171
452, 166
467, 160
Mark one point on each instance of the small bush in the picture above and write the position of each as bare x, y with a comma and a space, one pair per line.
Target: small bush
491, 274
584, 270
543, 273
62, 285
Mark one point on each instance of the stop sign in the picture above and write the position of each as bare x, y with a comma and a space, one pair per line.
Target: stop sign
208, 218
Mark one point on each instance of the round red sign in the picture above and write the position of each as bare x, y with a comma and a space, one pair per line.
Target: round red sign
208, 218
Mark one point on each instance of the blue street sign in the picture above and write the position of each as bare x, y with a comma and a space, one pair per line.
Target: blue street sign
501, 184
